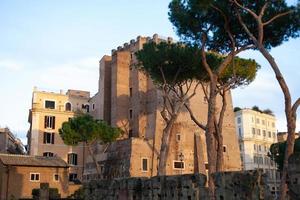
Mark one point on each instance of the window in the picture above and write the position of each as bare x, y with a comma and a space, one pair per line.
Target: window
258, 131
72, 177
86, 107
50, 104
68, 107
273, 124
240, 132
48, 138
93, 106
274, 135
264, 133
55, 177
130, 92
178, 137
206, 165
239, 120
259, 147
48, 154
269, 134
178, 164
253, 131
263, 122
257, 120
50, 122
254, 146
224, 149
35, 177
72, 158
130, 133
130, 114
144, 164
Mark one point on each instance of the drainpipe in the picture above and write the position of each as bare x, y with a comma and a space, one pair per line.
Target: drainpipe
7, 182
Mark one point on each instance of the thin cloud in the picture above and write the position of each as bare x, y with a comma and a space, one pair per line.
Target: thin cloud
11, 65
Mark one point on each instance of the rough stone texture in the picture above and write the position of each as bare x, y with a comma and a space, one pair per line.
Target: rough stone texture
244, 185
294, 176
248, 185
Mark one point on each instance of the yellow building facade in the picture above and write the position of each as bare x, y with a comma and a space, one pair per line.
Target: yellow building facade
49, 110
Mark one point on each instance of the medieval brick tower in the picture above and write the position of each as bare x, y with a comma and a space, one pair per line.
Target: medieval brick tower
128, 99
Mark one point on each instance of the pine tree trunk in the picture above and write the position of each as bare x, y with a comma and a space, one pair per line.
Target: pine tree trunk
165, 146
210, 138
219, 129
290, 117
94, 160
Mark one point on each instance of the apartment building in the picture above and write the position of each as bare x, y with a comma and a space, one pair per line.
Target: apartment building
128, 99
257, 132
9, 143
49, 110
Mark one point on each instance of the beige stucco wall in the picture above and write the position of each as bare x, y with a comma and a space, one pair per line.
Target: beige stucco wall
20, 186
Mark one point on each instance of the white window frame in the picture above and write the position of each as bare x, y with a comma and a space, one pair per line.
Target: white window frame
144, 158
34, 173
178, 168
72, 159
53, 122
57, 177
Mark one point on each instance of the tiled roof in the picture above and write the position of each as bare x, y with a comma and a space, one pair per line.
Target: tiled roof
25, 160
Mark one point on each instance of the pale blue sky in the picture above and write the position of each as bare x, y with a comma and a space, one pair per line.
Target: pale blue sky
56, 44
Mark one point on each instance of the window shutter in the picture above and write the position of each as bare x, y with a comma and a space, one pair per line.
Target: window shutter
45, 123
53, 122
45, 137
52, 139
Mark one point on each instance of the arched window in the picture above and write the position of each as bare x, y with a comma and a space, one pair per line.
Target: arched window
68, 106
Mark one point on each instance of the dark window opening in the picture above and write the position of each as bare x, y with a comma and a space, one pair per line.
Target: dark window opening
50, 104
72, 158
179, 165
130, 133
145, 164
48, 138
50, 122
68, 106
72, 177
48, 154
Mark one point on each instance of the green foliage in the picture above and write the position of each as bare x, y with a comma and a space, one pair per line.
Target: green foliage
278, 150
236, 109
172, 61
53, 193
177, 63
191, 18
256, 108
83, 128
266, 111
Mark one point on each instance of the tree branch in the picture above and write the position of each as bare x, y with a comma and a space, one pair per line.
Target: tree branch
246, 9
296, 105
194, 118
277, 16
262, 11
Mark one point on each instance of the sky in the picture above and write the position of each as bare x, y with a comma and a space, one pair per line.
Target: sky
55, 44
